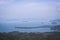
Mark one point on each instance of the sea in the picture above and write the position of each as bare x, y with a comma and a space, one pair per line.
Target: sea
8, 27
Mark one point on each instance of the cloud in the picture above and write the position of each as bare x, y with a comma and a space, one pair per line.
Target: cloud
58, 6
3, 2
58, 9
26, 9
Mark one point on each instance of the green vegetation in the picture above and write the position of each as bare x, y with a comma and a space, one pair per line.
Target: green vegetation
29, 36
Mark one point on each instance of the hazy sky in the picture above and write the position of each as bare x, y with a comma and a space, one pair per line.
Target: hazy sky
16, 10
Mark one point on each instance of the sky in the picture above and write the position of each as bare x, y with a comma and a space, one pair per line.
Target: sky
14, 11
30, 10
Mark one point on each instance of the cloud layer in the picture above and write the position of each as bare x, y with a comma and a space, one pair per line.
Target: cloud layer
15, 9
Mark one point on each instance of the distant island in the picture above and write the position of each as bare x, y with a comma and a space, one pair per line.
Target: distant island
45, 26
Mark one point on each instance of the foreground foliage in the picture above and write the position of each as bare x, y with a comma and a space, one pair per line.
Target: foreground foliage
29, 36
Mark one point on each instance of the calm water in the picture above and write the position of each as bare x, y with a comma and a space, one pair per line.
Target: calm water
7, 27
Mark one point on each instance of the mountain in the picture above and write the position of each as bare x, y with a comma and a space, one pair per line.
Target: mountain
56, 21
56, 28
